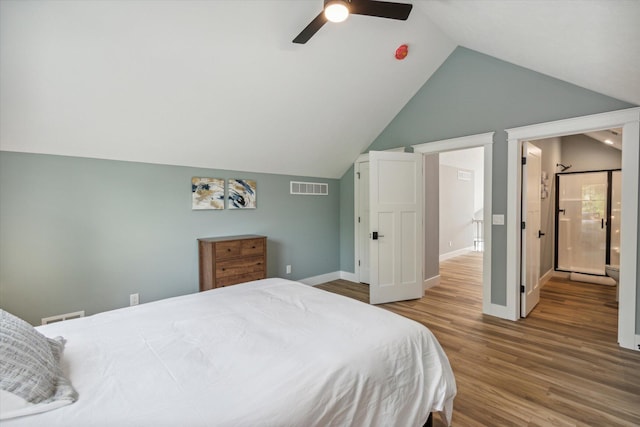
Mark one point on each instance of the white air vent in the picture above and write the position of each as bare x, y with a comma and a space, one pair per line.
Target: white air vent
309, 188
61, 317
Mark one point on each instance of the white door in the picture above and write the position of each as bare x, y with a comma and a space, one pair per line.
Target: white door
395, 196
363, 221
531, 234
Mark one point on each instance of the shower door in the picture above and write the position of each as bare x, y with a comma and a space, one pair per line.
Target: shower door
581, 222
615, 216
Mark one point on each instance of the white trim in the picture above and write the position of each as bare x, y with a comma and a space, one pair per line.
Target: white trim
546, 277
329, 277
345, 275
561, 274
431, 282
323, 278
457, 252
362, 158
629, 120
454, 144
484, 140
496, 310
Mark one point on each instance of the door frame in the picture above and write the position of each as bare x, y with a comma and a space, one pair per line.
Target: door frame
484, 140
607, 213
629, 121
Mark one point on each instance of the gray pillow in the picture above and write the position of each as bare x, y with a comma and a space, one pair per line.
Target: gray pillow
30, 363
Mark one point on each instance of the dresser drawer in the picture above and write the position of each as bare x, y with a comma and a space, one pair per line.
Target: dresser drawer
237, 248
234, 280
235, 267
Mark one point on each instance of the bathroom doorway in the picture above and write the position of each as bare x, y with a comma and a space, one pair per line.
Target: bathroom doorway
628, 121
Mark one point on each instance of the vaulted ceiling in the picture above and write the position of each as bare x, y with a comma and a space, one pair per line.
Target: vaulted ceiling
219, 84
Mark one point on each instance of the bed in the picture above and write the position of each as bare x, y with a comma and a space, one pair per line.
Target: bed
267, 353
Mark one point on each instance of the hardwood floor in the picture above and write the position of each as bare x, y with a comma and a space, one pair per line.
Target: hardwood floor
561, 366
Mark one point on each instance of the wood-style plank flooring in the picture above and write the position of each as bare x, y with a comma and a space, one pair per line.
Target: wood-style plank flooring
561, 366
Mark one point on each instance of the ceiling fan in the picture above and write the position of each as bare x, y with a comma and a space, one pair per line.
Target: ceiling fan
339, 10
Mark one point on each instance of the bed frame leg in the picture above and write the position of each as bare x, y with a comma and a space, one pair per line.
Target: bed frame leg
429, 422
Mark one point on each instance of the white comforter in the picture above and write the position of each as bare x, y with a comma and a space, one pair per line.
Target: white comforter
267, 353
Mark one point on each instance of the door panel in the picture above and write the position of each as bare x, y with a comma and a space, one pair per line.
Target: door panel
582, 214
396, 219
408, 240
531, 184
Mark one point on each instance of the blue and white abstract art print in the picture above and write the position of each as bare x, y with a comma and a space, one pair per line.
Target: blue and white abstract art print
242, 194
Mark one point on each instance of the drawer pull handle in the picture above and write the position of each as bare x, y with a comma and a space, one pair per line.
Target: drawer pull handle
228, 249
223, 269
253, 247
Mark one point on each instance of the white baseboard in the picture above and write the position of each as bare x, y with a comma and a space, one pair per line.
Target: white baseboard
323, 278
561, 274
456, 253
496, 310
431, 282
344, 275
546, 277
328, 277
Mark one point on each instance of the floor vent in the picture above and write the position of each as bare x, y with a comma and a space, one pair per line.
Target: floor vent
309, 188
61, 317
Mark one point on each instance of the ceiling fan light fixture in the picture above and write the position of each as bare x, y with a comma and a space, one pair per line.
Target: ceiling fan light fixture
336, 10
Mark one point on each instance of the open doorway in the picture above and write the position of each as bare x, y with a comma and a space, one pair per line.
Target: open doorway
480, 239
578, 192
460, 214
629, 121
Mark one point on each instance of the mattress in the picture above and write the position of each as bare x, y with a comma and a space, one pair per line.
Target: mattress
267, 353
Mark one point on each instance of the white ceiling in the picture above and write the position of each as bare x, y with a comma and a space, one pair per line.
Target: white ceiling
218, 84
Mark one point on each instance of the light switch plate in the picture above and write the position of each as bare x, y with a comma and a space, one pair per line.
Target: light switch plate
498, 219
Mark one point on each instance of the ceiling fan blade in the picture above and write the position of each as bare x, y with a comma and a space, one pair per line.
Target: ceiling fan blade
382, 9
311, 29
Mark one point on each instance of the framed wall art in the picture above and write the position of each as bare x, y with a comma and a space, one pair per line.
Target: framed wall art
241, 194
207, 193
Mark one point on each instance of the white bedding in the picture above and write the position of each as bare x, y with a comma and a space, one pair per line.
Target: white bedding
266, 353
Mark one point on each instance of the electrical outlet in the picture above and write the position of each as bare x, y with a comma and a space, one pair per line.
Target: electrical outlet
288, 269
134, 299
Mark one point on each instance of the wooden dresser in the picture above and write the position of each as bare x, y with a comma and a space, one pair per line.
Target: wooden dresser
230, 260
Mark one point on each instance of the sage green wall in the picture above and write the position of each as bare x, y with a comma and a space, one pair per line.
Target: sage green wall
473, 93
83, 234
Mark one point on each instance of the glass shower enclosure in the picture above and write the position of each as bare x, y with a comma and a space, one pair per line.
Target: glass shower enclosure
587, 221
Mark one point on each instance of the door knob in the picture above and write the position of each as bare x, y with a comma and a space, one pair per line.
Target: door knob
376, 235
540, 234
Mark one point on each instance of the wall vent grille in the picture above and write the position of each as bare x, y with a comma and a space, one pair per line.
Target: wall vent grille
309, 188
61, 317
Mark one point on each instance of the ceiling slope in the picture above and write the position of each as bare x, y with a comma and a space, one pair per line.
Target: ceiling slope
594, 44
219, 84
214, 84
